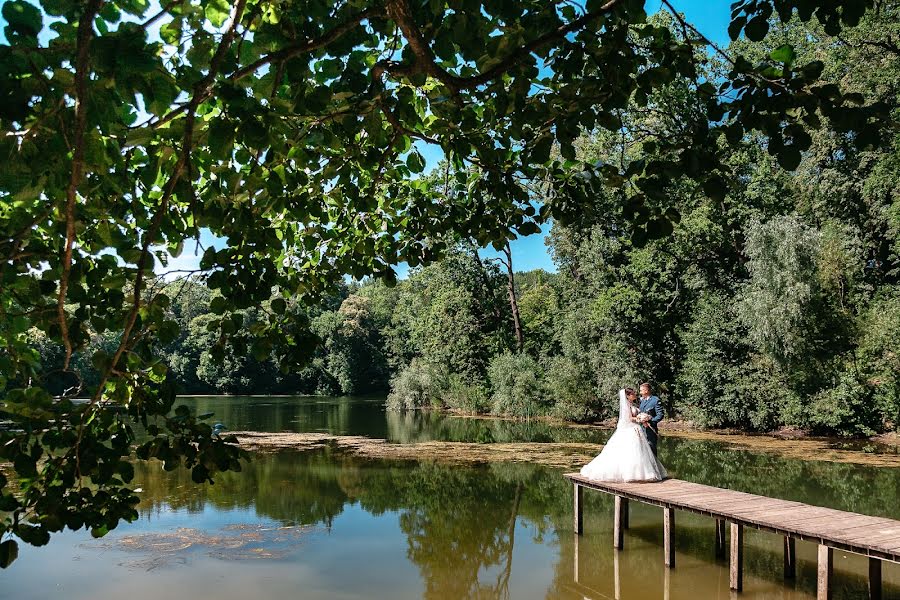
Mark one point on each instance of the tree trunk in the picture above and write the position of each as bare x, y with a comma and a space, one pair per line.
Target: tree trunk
488, 288
513, 303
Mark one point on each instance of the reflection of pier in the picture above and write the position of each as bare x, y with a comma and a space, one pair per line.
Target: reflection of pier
875, 537
589, 593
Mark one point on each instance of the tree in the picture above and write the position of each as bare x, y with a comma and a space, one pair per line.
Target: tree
293, 132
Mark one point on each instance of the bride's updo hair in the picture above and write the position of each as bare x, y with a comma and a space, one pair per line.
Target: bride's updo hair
629, 391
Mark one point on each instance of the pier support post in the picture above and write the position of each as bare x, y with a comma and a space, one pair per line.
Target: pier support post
668, 536
720, 538
737, 557
790, 558
826, 567
625, 511
874, 578
579, 499
621, 508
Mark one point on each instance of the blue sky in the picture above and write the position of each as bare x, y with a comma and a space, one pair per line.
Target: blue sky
711, 17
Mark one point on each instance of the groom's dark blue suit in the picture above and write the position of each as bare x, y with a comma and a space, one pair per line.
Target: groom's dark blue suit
652, 407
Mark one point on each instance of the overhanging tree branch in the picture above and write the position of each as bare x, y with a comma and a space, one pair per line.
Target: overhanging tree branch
201, 91
82, 58
426, 62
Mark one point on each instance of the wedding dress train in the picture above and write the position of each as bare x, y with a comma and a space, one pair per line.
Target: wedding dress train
627, 455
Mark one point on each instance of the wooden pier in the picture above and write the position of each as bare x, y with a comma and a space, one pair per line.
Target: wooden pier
875, 537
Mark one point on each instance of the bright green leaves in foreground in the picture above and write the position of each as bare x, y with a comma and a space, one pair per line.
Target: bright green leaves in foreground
296, 133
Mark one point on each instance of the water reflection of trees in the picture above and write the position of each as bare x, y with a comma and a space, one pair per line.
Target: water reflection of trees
460, 522
423, 426
340, 416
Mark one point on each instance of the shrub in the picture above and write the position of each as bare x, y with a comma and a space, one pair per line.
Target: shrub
879, 352
516, 386
419, 385
847, 409
722, 382
777, 303
464, 396
568, 387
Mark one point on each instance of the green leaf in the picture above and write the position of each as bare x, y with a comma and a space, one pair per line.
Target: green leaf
279, 306
217, 11
757, 28
789, 158
99, 531
784, 54
734, 28
540, 150
218, 305
23, 18
415, 162
9, 551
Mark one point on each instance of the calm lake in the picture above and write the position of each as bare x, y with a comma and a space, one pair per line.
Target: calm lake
323, 524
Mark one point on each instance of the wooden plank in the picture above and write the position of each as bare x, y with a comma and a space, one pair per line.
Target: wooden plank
872, 533
790, 558
669, 537
737, 557
725, 501
823, 527
618, 529
773, 508
802, 519
850, 527
874, 578
826, 569
579, 501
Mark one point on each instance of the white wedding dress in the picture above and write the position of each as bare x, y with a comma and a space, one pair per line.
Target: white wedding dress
627, 455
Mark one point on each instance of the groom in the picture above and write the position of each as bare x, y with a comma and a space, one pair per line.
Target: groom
650, 405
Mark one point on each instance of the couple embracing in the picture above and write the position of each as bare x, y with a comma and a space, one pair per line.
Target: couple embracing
630, 454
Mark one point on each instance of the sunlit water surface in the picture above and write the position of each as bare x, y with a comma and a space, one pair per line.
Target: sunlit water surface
326, 525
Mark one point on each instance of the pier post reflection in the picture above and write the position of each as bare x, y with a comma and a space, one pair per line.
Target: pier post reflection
617, 578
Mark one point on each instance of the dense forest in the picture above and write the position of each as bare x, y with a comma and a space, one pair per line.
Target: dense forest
774, 301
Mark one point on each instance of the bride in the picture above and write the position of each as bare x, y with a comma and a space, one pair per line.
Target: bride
627, 455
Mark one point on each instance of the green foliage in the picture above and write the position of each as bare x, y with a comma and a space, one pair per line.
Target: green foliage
879, 353
539, 309
569, 387
418, 385
453, 314
722, 382
779, 301
845, 408
515, 381
352, 347
462, 396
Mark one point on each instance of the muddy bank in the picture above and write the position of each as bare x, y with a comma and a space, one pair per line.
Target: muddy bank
563, 455
567, 455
